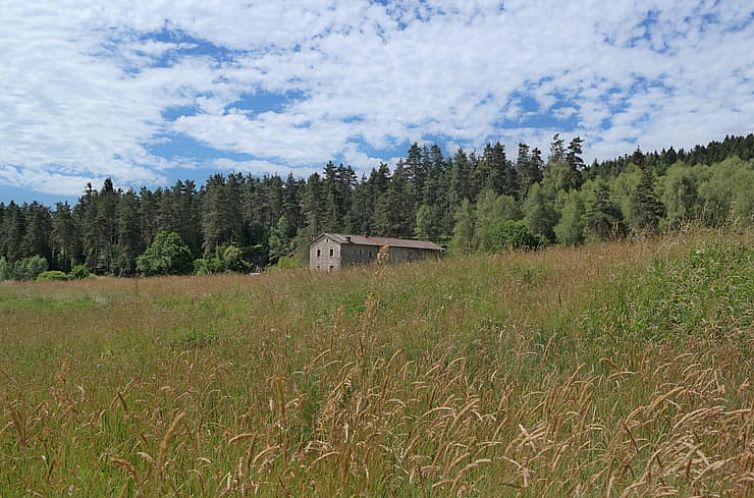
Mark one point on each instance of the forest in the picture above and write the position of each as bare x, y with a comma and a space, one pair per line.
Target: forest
473, 201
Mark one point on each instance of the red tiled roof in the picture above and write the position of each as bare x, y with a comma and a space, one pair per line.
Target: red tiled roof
362, 240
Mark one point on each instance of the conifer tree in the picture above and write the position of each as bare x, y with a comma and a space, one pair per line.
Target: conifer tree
64, 241
603, 220
647, 210
130, 244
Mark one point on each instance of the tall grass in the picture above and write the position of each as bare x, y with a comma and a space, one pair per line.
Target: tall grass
619, 369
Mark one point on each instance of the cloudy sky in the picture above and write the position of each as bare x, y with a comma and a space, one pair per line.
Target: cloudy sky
151, 91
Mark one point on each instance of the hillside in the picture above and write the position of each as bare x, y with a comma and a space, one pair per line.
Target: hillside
612, 369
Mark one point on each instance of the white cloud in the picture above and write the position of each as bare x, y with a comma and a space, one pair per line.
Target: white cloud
84, 96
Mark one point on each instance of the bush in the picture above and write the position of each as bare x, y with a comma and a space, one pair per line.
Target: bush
516, 235
78, 272
24, 269
209, 266
53, 275
229, 259
285, 263
168, 255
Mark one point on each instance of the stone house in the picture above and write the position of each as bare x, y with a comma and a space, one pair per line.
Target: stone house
332, 251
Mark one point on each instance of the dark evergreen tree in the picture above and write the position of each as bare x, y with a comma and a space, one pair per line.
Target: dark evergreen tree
603, 220
130, 244
38, 231
646, 209
14, 232
64, 241
557, 150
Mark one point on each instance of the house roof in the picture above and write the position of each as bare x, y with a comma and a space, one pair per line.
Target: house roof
361, 240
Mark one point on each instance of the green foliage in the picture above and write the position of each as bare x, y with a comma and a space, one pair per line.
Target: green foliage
78, 272
492, 211
463, 231
225, 260
622, 189
52, 275
424, 225
233, 260
286, 263
167, 255
269, 218
680, 194
646, 209
726, 194
25, 269
540, 213
570, 228
603, 220
281, 243
708, 288
512, 234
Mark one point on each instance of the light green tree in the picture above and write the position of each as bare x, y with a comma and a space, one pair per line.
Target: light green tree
570, 228
463, 230
167, 255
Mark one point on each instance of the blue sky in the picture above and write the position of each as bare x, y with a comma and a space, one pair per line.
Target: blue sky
149, 92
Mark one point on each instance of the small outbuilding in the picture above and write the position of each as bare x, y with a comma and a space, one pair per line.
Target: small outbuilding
332, 251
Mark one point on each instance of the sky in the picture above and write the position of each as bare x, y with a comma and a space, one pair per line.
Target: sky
148, 92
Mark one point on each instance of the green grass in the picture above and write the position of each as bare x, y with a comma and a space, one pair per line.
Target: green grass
594, 371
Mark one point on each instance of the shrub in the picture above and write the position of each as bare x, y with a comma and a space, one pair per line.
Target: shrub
53, 275
515, 235
168, 255
229, 259
24, 269
209, 265
285, 263
78, 272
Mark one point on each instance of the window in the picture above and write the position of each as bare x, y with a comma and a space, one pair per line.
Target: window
331, 267
370, 254
331, 250
318, 252
360, 252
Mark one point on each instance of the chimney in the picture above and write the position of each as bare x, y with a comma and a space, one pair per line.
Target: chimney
348, 239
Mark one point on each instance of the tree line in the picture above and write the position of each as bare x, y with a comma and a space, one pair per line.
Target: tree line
483, 200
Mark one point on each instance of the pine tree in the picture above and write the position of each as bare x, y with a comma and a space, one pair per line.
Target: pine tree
280, 240
3, 240
64, 241
292, 206
460, 181
188, 215
36, 240
603, 220
214, 212
14, 231
575, 163
395, 215
646, 209
313, 207
130, 244
557, 150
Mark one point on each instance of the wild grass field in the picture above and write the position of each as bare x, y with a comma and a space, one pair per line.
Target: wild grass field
619, 369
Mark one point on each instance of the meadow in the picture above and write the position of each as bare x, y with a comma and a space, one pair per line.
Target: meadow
608, 370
